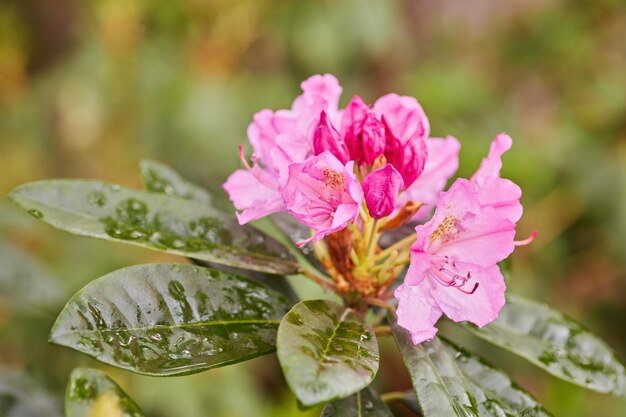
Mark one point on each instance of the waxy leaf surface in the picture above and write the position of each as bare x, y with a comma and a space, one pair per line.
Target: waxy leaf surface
92, 393
326, 351
439, 384
557, 344
448, 380
160, 178
155, 221
171, 319
365, 403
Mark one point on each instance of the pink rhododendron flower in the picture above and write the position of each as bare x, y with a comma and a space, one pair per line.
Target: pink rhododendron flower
279, 139
381, 189
323, 194
453, 269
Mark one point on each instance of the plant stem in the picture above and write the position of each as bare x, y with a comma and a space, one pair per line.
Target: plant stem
382, 330
407, 241
320, 279
379, 303
392, 396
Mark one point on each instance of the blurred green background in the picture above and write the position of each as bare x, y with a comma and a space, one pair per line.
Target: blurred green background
88, 88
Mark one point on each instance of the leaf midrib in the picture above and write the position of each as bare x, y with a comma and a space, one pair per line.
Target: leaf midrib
176, 326
332, 336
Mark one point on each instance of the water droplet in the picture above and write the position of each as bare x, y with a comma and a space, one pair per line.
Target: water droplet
177, 243
364, 337
36, 214
97, 198
368, 405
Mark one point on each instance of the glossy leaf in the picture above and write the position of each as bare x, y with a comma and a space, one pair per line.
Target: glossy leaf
494, 391
275, 282
444, 374
439, 384
326, 351
92, 393
24, 283
21, 397
160, 178
171, 319
557, 344
365, 403
155, 221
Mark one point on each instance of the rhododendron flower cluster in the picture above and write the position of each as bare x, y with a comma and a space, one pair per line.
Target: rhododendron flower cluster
353, 174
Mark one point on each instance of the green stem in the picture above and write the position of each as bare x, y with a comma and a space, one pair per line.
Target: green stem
401, 244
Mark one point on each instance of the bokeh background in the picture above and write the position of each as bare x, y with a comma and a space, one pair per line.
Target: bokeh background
88, 88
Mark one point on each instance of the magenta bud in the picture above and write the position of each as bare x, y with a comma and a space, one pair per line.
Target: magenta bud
381, 189
326, 138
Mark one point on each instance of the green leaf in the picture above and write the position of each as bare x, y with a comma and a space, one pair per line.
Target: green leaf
494, 391
451, 381
326, 351
171, 319
439, 384
275, 282
160, 178
555, 343
365, 403
21, 397
92, 393
24, 282
155, 221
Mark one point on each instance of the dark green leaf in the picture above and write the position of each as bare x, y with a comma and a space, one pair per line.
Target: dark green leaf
92, 393
275, 282
557, 344
439, 384
326, 351
155, 221
21, 397
171, 319
443, 373
365, 403
494, 391
24, 283
160, 178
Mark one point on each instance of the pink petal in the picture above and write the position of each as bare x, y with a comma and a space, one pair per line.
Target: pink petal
417, 312
420, 262
372, 139
289, 149
463, 230
319, 92
265, 127
323, 194
326, 138
503, 195
484, 239
253, 198
353, 115
480, 307
492, 164
404, 116
381, 189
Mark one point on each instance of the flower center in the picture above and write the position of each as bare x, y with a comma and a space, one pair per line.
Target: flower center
448, 230
333, 179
